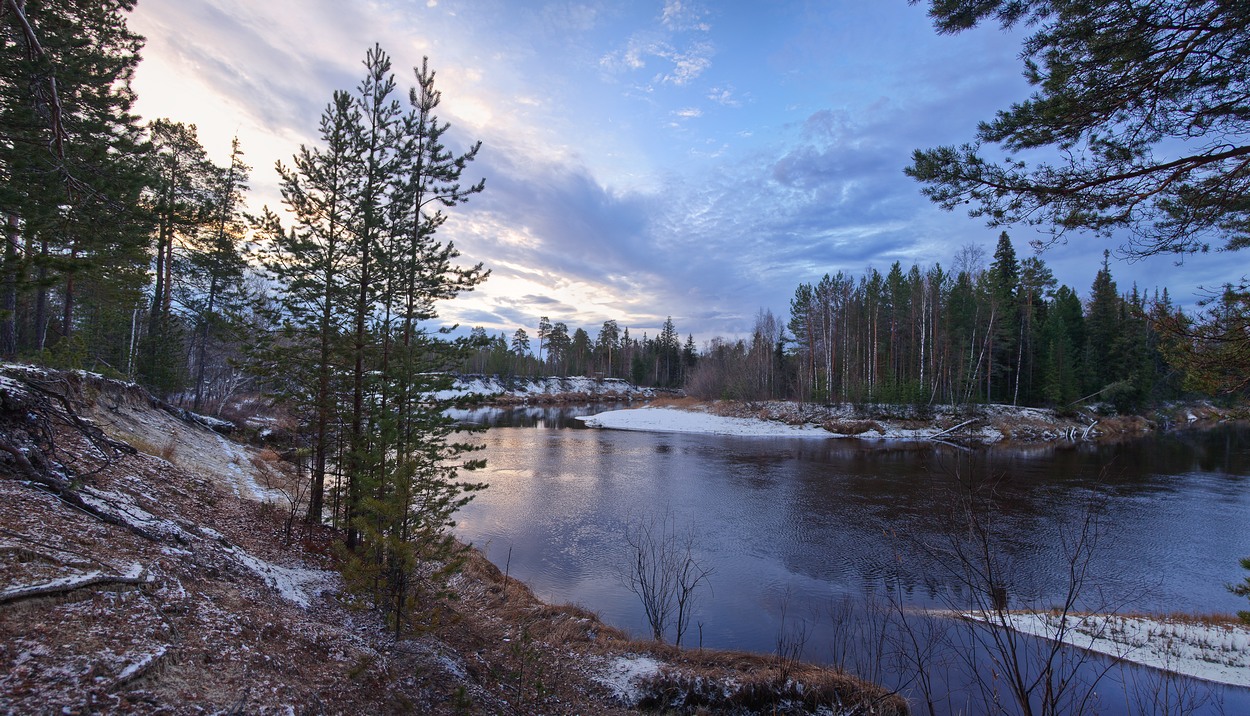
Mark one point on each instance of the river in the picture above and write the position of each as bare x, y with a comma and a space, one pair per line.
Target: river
813, 541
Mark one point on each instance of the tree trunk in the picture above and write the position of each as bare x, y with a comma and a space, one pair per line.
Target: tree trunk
8, 299
203, 349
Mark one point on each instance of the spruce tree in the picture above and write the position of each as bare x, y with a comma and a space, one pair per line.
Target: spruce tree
1104, 358
1004, 275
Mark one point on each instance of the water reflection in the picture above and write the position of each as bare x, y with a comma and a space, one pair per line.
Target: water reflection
793, 526
530, 416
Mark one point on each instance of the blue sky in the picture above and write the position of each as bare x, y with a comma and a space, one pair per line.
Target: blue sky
642, 159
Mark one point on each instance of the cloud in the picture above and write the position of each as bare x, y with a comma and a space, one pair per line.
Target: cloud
724, 96
682, 16
679, 42
688, 64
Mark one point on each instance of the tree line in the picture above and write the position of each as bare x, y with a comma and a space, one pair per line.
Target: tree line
663, 361
1006, 333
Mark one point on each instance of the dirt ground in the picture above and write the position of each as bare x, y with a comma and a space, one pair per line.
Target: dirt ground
146, 567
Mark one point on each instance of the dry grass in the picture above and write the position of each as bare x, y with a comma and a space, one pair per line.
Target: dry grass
710, 681
851, 427
1125, 425
684, 402
1206, 620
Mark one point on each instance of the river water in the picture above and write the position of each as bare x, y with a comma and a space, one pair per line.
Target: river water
816, 542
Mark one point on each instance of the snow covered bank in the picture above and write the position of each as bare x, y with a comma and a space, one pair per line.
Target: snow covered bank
512, 390
1212, 652
673, 420
967, 425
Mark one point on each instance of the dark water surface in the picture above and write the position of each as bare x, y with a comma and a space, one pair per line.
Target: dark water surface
798, 531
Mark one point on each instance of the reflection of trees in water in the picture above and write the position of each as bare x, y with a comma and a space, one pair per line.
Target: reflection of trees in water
529, 416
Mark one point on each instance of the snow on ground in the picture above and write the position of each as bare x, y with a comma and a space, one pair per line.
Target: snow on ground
295, 584
520, 388
1211, 652
124, 507
623, 673
672, 420
231, 461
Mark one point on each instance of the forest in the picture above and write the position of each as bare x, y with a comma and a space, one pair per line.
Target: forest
1003, 333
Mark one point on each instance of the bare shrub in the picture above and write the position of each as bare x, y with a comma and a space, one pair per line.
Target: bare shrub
664, 574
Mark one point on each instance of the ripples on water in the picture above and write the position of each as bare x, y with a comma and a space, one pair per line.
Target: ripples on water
796, 526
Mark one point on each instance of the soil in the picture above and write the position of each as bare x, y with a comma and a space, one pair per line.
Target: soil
150, 565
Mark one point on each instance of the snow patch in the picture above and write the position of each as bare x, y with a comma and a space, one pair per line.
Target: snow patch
1212, 652
124, 508
295, 584
622, 674
139, 666
672, 420
519, 388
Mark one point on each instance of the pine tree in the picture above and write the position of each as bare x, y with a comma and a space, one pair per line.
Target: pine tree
216, 265
405, 465
544, 330
73, 171
180, 202
305, 361
606, 344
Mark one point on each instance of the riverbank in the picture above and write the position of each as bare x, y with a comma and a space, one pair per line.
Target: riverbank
521, 390
148, 564
1210, 649
965, 425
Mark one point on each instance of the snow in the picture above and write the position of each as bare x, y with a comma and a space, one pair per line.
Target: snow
123, 507
232, 459
672, 420
295, 584
64, 582
522, 388
623, 673
1212, 652
143, 663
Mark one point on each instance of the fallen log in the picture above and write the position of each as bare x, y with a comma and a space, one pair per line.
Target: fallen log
68, 585
935, 436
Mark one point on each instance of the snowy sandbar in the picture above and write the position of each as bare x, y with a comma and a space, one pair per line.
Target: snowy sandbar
673, 420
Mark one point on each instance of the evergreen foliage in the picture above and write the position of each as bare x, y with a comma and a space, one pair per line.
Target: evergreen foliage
361, 273
1139, 117
1139, 122
72, 170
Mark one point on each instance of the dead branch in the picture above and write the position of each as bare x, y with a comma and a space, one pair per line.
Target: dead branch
92, 432
935, 436
61, 587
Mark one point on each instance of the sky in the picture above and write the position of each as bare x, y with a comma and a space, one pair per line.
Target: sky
642, 158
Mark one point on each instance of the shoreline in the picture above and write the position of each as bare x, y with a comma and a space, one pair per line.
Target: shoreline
966, 426
971, 425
